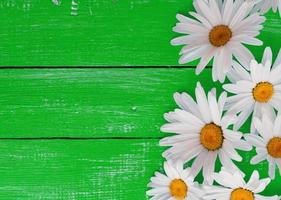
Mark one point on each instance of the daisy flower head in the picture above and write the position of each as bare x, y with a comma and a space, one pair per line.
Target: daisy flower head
233, 187
176, 184
202, 133
218, 30
255, 91
267, 143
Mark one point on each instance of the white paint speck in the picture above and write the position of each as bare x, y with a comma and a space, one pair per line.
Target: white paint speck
56, 2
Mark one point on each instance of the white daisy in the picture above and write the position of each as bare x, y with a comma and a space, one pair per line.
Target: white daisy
177, 184
268, 144
202, 133
233, 187
256, 91
219, 30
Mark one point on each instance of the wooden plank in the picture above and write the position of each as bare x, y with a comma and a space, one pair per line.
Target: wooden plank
85, 169
104, 33
76, 169
90, 102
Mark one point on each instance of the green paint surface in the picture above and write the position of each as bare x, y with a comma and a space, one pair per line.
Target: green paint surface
86, 169
93, 133
104, 33
90, 102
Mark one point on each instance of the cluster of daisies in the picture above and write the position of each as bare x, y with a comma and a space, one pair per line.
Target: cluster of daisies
207, 127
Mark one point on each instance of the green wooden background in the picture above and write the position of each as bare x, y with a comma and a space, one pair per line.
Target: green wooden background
92, 132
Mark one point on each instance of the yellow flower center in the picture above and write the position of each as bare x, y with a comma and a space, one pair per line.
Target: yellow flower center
211, 137
178, 189
274, 147
263, 92
220, 35
241, 194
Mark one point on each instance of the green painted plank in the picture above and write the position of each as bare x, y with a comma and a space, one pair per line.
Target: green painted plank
104, 33
84, 169
76, 169
90, 102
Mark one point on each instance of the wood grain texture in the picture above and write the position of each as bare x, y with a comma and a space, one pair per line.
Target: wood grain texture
90, 102
76, 169
101, 33
85, 169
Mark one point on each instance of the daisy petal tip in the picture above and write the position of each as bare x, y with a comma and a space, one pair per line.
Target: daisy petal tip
272, 176
239, 159
181, 62
226, 86
253, 63
267, 180
164, 129
198, 85
198, 71
236, 127
176, 95
255, 173
268, 49
221, 80
210, 181
164, 154
246, 136
252, 162
249, 148
178, 16
174, 42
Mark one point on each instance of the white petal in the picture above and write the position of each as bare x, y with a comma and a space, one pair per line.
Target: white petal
185, 19
207, 12
202, 19
209, 166
258, 158
254, 181
227, 11
203, 104
170, 171
230, 151
260, 127
274, 76
186, 102
222, 101
277, 126
278, 58
242, 145
271, 168
228, 120
262, 185
194, 55
180, 128
227, 179
206, 58
254, 140
214, 108
267, 56
198, 162
188, 118
227, 163
243, 55
232, 135
243, 116
244, 75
